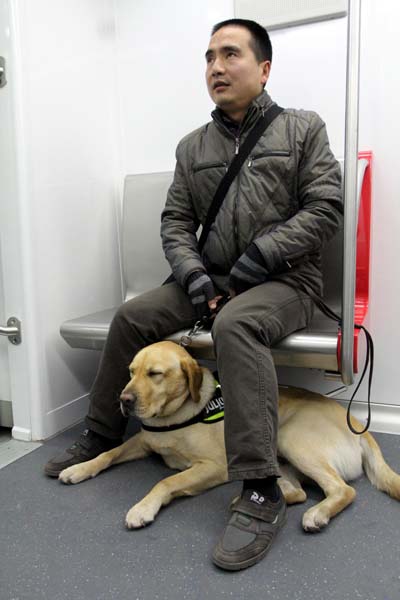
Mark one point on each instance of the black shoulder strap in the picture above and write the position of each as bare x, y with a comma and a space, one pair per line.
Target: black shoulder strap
234, 168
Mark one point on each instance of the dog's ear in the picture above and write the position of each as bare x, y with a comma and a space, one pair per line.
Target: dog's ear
194, 375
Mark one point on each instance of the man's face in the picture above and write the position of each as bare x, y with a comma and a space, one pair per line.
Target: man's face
234, 77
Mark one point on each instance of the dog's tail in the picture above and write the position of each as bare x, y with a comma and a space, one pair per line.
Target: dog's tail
378, 471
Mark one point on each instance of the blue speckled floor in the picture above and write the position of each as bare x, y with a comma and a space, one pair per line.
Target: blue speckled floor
69, 542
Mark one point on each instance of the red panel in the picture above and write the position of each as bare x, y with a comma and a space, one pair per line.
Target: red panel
362, 259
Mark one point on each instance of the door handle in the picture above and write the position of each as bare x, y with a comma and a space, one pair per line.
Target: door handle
12, 331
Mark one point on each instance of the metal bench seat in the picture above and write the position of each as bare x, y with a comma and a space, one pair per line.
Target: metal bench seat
315, 347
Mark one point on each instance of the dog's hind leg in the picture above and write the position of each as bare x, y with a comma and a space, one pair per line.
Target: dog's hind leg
130, 450
338, 496
290, 485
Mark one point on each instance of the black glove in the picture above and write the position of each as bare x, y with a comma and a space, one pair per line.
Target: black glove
248, 271
200, 289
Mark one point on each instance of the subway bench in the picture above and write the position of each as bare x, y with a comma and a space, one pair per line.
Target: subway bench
317, 346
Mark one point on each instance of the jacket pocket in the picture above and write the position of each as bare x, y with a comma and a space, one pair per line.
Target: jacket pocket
209, 165
277, 153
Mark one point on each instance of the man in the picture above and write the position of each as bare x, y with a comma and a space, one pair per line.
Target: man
263, 249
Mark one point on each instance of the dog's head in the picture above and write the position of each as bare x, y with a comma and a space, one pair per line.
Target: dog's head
163, 376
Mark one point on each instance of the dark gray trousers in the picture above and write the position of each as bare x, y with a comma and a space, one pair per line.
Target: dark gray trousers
243, 332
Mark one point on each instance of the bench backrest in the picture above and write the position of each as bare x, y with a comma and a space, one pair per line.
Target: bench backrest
143, 263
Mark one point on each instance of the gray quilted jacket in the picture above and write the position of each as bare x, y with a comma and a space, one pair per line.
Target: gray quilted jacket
286, 198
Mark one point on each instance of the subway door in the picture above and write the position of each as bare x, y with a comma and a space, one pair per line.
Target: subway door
14, 364
6, 418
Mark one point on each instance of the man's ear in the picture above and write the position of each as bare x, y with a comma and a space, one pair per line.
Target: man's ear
194, 375
266, 69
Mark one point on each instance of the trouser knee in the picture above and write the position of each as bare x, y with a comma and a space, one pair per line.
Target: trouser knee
127, 333
134, 309
232, 324
133, 316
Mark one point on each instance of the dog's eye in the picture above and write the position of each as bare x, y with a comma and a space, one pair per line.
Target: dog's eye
154, 373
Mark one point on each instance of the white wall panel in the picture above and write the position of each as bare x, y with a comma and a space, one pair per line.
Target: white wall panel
69, 116
309, 71
60, 34
161, 71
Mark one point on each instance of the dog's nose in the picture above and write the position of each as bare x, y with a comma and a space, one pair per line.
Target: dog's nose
127, 402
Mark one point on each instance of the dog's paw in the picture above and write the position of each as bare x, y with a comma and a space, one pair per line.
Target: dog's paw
75, 474
140, 515
314, 520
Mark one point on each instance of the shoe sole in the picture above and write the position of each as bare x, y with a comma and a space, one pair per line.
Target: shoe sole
51, 473
250, 561
55, 471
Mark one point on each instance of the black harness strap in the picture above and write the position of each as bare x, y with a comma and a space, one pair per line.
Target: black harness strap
195, 419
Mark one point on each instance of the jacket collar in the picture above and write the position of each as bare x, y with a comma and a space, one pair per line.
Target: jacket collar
257, 106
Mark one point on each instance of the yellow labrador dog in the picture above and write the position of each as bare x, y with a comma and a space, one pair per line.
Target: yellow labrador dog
169, 389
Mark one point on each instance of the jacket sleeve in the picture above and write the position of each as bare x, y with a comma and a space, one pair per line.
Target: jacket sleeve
179, 224
320, 201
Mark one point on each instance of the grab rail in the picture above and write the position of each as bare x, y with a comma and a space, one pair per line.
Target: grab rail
350, 191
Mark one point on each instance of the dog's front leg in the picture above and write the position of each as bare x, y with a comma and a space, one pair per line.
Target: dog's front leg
201, 476
132, 449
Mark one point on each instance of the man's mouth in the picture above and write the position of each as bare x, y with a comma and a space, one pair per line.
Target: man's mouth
219, 85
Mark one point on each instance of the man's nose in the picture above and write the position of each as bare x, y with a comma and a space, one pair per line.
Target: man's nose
217, 66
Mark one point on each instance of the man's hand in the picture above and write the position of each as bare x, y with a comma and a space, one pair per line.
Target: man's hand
212, 304
248, 271
202, 293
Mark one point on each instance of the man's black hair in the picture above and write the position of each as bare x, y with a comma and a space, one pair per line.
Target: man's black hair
260, 42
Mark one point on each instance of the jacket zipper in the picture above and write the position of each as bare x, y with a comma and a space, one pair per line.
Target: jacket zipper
283, 153
236, 206
209, 165
235, 210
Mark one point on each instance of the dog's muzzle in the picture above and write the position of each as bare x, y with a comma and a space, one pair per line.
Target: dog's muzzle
127, 404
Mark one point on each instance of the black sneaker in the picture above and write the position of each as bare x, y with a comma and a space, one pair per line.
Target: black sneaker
89, 445
254, 524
